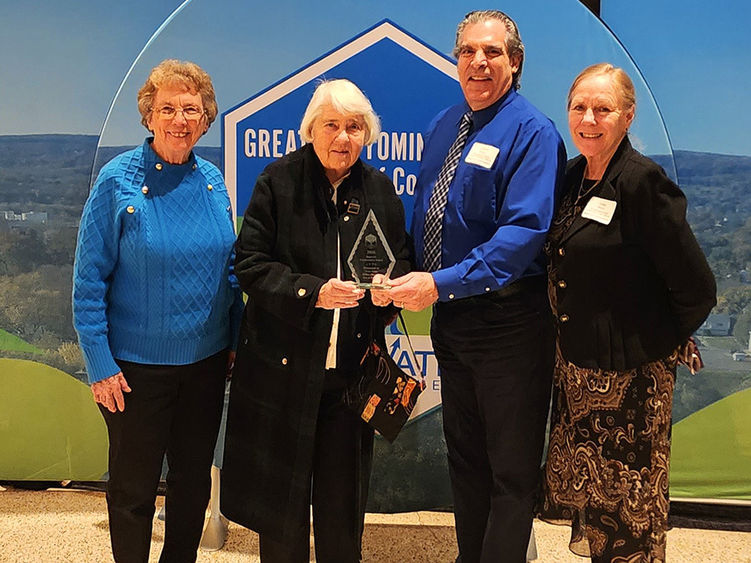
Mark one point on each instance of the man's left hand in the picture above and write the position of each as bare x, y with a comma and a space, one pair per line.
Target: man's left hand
414, 291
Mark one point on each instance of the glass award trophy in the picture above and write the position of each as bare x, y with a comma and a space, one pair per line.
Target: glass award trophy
371, 255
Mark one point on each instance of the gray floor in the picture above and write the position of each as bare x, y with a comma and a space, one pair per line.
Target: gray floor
71, 526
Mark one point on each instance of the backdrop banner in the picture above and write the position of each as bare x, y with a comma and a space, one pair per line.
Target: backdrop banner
265, 59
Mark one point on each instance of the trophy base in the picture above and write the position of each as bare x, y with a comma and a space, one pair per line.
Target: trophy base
363, 285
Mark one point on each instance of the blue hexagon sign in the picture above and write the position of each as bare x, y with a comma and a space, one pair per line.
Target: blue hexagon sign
406, 80
408, 83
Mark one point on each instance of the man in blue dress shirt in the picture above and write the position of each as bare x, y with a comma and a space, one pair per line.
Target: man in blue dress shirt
484, 201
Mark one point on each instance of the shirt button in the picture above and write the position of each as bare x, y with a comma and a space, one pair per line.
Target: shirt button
195, 166
130, 209
145, 190
561, 252
359, 335
564, 318
158, 166
284, 361
562, 284
210, 187
302, 292
451, 295
346, 217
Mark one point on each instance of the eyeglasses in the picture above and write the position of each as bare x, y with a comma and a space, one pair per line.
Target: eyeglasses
190, 113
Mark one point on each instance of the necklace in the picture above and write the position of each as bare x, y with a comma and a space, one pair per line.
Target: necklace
584, 192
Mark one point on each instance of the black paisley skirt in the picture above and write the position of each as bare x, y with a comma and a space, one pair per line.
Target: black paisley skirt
607, 465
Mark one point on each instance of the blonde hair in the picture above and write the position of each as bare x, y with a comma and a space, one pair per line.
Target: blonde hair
185, 73
346, 98
623, 84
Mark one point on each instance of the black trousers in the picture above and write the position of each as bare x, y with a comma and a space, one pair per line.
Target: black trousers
174, 410
342, 460
495, 359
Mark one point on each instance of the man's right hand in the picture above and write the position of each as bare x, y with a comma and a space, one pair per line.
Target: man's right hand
109, 392
414, 291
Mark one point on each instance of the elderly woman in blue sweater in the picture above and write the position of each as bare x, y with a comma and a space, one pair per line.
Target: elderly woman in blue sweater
156, 307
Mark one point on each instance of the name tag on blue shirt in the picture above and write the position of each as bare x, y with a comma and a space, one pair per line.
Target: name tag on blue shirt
599, 209
482, 155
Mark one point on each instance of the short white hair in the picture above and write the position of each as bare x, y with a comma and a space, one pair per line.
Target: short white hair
344, 97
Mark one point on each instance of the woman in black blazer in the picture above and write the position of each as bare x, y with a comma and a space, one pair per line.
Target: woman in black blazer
291, 440
629, 285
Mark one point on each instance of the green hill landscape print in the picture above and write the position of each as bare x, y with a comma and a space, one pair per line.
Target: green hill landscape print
44, 182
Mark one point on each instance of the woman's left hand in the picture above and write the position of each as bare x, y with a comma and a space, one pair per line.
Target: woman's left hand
690, 356
380, 297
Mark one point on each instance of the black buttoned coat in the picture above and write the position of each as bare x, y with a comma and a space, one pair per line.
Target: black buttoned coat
286, 250
631, 291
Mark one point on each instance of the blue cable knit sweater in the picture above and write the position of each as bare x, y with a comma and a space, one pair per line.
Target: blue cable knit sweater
153, 280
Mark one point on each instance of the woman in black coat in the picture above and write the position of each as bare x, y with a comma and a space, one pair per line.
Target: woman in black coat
305, 329
628, 285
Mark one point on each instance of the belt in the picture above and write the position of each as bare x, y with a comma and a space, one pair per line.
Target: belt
528, 284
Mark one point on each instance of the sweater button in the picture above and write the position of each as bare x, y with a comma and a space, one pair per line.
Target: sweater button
302, 292
130, 209
158, 166
562, 284
210, 187
451, 295
284, 361
563, 318
145, 190
561, 252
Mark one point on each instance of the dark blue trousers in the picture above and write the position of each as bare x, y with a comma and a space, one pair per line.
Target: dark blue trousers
495, 357
174, 410
342, 460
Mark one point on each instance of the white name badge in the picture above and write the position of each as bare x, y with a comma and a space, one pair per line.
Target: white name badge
482, 155
599, 209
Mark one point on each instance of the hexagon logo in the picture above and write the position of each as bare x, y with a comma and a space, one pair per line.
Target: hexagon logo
407, 81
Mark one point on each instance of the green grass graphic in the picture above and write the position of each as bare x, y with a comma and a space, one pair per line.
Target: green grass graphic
711, 453
12, 343
50, 428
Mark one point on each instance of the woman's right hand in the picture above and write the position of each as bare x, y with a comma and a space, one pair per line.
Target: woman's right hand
109, 392
338, 294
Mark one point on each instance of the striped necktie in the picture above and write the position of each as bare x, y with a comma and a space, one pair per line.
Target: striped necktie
437, 207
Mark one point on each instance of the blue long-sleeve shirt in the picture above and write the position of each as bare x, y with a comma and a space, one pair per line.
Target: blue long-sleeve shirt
499, 209
153, 280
